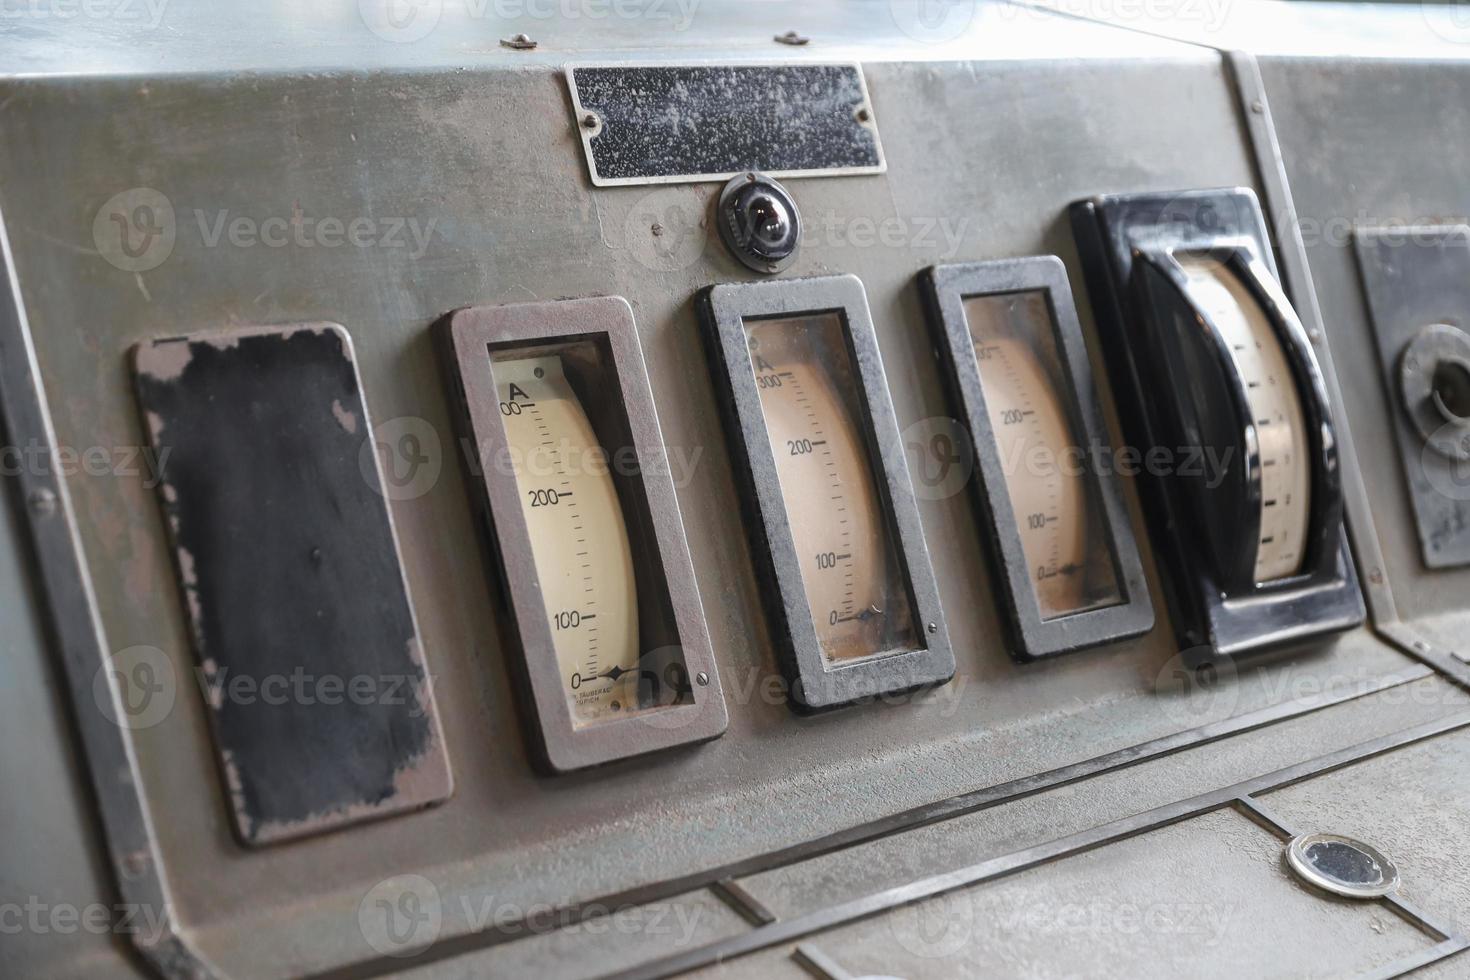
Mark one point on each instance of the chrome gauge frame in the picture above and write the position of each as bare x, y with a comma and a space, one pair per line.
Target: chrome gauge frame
467, 339
945, 290
1151, 327
815, 684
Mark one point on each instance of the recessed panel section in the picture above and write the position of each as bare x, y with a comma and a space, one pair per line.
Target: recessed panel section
855, 581
309, 656
834, 528
1068, 556
614, 657
1012, 351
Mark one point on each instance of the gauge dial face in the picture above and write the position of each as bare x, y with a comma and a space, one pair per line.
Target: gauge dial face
1276, 411
578, 536
855, 581
1068, 557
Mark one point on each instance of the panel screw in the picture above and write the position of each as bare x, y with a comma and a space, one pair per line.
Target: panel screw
43, 502
933, 627
1258, 107
1376, 576
590, 120
135, 863
702, 678
521, 42
792, 38
863, 115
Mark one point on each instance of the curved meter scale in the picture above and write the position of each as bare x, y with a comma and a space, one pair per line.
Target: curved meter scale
834, 525
584, 522
1219, 386
1061, 541
578, 536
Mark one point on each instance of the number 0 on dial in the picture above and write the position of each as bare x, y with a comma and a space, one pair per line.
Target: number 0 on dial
832, 511
614, 649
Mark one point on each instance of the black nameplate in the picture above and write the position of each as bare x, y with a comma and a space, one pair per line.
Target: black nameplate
644, 124
309, 656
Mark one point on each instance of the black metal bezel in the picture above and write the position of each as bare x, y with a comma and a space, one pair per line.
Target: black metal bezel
945, 290
1212, 617
467, 336
813, 684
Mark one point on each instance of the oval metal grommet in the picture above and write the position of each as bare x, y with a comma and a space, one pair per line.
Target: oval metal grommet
1342, 866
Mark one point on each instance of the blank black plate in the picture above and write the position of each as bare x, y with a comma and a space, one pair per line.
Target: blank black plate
307, 646
666, 123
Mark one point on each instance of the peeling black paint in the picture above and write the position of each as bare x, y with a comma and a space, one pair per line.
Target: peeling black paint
295, 578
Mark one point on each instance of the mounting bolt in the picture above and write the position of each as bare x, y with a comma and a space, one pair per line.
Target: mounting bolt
702, 679
520, 42
792, 38
43, 502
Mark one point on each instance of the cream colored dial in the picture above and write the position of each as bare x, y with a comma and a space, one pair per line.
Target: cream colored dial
1276, 410
849, 566
1046, 481
578, 537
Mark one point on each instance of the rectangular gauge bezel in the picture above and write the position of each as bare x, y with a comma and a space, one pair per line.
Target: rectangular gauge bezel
814, 684
468, 335
1113, 234
945, 290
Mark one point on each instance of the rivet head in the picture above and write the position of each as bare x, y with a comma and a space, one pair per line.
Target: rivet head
519, 42
792, 38
43, 502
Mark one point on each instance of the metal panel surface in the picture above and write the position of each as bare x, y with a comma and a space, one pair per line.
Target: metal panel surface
456, 181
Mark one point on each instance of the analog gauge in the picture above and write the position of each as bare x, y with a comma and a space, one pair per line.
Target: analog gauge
1276, 413
851, 571
579, 540
1067, 556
